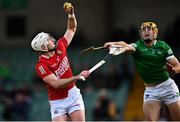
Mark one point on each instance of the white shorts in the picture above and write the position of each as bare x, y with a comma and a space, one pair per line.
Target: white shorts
67, 105
166, 92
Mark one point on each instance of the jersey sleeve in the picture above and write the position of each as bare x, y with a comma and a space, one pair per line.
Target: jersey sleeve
136, 45
62, 42
168, 51
43, 70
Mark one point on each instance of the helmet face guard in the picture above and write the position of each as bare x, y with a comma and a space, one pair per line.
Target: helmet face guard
40, 42
149, 26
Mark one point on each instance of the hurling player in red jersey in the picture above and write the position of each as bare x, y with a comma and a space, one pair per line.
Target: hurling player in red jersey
53, 67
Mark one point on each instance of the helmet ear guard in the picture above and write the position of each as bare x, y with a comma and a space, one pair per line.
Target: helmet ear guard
155, 33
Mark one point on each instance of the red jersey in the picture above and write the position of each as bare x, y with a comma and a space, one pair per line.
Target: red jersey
59, 65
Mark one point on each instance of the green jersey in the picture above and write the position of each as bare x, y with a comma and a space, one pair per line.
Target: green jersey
151, 61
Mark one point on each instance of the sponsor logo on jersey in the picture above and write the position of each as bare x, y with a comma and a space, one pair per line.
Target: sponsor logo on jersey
144, 49
59, 52
159, 52
63, 67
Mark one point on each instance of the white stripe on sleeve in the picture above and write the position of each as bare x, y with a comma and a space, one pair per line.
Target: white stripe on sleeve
41, 69
169, 57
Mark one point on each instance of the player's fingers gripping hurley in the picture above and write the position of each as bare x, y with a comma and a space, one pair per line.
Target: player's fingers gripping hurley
84, 74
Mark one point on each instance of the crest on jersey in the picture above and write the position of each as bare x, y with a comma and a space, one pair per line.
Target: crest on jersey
59, 52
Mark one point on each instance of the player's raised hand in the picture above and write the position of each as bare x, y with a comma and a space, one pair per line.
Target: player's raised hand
68, 7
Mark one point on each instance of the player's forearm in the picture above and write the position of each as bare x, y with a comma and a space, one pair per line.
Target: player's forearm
177, 69
72, 22
124, 45
127, 47
174, 63
61, 83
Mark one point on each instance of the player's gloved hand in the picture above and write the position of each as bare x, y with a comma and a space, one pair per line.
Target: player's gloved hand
68, 7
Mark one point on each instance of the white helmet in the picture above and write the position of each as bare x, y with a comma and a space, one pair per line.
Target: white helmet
39, 41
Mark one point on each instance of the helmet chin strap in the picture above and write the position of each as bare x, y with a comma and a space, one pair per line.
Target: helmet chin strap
51, 50
54, 49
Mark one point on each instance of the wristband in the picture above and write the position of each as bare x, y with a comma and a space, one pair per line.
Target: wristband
71, 15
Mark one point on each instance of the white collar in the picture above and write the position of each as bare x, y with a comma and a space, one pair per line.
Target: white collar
45, 56
155, 41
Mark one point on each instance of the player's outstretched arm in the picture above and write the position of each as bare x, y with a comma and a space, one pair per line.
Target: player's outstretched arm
53, 81
71, 23
127, 47
174, 63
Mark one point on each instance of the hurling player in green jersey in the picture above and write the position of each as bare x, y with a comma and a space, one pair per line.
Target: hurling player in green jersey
151, 58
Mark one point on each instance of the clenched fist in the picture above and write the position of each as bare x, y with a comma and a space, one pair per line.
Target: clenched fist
84, 73
170, 68
68, 7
